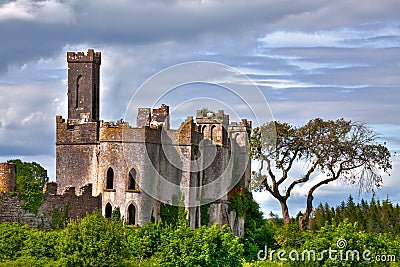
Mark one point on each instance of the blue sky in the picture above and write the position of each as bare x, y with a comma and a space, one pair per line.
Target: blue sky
310, 59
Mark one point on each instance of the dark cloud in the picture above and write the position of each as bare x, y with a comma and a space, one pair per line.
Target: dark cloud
51, 25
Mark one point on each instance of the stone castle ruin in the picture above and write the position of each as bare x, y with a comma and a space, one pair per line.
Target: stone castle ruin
108, 165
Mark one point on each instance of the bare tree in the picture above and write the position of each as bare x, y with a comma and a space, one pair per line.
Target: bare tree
339, 149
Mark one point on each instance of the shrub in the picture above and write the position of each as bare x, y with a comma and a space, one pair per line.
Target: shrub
92, 241
12, 236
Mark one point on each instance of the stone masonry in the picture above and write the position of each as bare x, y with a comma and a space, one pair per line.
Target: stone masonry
7, 177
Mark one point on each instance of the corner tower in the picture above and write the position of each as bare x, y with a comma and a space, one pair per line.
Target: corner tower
77, 138
83, 85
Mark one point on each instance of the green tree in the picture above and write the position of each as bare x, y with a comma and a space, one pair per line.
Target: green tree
257, 231
339, 149
29, 171
30, 180
174, 214
205, 246
92, 241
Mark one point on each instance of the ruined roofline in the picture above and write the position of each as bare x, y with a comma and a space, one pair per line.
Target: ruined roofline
50, 188
153, 118
90, 57
204, 114
243, 123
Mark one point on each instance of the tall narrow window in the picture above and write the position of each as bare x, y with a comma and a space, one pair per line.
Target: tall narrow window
110, 179
78, 85
131, 214
108, 210
132, 180
212, 133
95, 108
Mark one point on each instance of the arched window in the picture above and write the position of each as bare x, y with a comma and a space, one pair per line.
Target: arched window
108, 210
131, 214
212, 133
78, 85
110, 179
132, 180
203, 129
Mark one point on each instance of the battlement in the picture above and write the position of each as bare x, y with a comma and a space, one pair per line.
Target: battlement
50, 188
244, 123
75, 131
204, 114
90, 57
121, 131
206, 117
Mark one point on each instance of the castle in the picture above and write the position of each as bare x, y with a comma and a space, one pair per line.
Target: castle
137, 168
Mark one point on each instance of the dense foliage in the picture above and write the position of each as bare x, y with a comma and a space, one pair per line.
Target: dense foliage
96, 241
375, 216
348, 245
257, 230
30, 180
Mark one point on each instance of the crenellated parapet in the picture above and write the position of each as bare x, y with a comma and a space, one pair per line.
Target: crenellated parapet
72, 204
89, 57
208, 117
122, 132
243, 126
76, 132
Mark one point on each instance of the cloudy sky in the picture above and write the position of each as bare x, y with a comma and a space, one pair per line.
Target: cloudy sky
310, 59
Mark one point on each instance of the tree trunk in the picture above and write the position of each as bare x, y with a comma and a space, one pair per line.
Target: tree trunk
303, 220
285, 211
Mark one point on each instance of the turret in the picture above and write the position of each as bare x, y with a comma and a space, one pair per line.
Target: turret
7, 177
83, 85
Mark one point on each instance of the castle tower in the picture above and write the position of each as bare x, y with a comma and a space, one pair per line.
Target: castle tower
83, 85
239, 135
77, 138
7, 177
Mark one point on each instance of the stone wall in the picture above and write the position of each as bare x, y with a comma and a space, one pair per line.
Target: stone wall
76, 154
12, 211
7, 177
74, 206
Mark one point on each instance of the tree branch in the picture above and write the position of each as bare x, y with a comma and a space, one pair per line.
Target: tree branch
305, 178
286, 170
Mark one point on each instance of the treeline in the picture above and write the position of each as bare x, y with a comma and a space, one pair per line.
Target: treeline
376, 216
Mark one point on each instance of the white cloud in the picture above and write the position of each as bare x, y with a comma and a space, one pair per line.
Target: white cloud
48, 11
299, 39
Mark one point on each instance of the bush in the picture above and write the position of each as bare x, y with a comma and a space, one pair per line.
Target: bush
39, 247
92, 241
180, 245
12, 236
